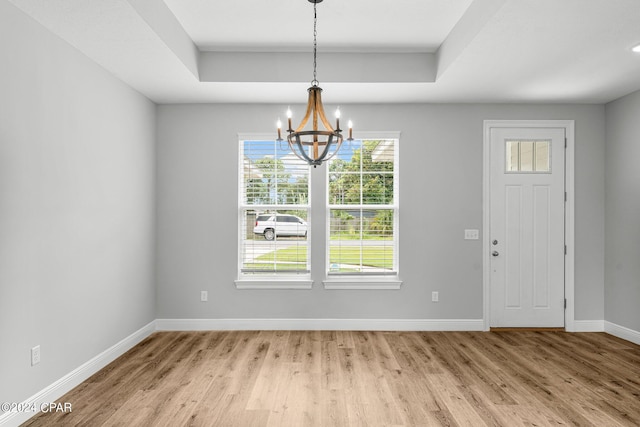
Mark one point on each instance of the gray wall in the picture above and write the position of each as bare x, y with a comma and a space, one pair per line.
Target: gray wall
76, 207
440, 196
622, 226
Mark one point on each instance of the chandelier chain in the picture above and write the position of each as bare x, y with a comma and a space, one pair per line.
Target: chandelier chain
315, 46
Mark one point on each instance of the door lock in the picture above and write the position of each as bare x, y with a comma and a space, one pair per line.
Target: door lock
495, 253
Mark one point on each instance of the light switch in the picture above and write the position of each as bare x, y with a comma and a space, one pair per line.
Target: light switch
471, 234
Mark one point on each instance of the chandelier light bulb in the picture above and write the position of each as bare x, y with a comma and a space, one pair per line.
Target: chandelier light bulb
289, 114
338, 113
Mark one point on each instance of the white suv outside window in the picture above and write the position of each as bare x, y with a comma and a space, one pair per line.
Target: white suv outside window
277, 225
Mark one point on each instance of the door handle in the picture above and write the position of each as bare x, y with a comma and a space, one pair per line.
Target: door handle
495, 253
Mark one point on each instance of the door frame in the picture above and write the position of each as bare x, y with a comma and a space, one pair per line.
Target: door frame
569, 212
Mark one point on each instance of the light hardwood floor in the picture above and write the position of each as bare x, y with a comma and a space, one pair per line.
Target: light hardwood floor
336, 378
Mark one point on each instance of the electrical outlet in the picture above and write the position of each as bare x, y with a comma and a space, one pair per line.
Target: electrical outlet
471, 234
35, 355
204, 296
434, 296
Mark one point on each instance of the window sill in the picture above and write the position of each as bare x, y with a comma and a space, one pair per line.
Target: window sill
392, 283
274, 283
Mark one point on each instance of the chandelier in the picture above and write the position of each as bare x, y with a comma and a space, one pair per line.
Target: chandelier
314, 145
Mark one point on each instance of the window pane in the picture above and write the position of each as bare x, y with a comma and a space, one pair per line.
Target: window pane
377, 189
345, 188
542, 156
273, 175
512, 156
344, 224
526, 156
381, 155
274, 242
361, 241
378, 224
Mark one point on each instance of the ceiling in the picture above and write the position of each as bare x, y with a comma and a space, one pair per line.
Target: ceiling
375, 51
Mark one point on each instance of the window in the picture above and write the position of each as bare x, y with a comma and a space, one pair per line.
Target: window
363, 209
360, 213
528, 156
273, 211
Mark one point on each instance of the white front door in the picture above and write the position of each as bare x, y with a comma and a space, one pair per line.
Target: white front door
526, 241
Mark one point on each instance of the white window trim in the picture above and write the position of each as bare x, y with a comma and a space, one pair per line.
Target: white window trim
367, 282
362, 282
273, 281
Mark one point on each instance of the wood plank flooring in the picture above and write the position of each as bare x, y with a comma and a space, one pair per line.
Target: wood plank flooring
342, 378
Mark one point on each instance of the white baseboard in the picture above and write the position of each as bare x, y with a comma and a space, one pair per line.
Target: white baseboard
77, 376
320, 324
622, 332
588, 326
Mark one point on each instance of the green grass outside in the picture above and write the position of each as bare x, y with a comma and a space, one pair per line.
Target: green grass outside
279, 266
345, 235
372, 256
293, 257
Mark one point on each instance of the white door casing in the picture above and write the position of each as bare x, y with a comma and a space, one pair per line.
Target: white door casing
524, 225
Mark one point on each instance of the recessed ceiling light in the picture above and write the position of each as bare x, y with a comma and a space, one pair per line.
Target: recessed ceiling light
636, 48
